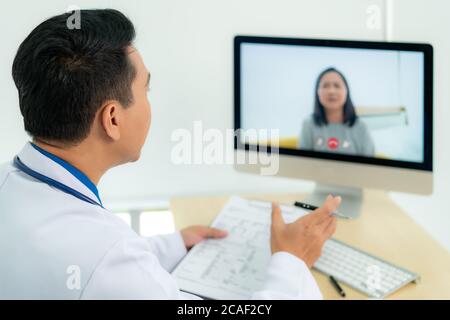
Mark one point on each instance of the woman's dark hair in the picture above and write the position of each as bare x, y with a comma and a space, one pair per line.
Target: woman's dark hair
319, 115
63, 75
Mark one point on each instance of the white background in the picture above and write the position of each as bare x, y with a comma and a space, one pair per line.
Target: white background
187, 45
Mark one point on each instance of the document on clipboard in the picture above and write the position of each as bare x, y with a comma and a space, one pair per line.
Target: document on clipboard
233, 267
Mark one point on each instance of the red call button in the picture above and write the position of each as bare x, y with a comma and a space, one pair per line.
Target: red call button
333, 143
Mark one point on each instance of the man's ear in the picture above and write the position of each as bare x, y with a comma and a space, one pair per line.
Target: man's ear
110, 118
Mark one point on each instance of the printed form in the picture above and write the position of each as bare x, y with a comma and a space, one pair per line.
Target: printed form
233, 267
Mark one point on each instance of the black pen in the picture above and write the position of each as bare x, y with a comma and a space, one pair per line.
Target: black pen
337, 287
311, 207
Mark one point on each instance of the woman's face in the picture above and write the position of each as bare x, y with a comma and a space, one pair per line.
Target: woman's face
332, 91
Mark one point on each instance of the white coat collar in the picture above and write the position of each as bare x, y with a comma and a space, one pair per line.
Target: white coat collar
49, 168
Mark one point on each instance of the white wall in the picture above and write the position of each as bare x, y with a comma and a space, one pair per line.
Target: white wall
187, 45
428, 21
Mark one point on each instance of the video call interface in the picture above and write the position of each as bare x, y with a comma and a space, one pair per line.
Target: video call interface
363, 102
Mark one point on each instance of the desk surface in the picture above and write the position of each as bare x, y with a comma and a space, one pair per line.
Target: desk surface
383, 230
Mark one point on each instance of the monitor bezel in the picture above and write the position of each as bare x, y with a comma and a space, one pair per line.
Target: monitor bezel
426, 49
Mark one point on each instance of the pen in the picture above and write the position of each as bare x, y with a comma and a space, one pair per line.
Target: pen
337, 287
311, 207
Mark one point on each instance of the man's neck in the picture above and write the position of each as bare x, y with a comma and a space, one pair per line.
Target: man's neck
86, 157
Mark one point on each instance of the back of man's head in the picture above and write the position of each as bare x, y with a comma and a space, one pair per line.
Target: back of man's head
64, 75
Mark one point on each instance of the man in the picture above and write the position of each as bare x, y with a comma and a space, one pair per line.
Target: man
83, 97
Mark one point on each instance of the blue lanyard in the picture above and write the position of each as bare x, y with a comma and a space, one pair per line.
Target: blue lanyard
51, 182
74, 171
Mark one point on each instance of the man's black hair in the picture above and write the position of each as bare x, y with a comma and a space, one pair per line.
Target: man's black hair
319, 115
64, 75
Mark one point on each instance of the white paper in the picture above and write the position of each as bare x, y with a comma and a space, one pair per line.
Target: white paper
233, 267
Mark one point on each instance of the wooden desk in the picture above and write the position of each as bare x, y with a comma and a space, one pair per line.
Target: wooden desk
382, 230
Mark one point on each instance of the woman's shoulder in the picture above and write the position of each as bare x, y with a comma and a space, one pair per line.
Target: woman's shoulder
360, 125
308, 121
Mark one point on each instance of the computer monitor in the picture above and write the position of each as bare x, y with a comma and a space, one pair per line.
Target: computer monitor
349, 114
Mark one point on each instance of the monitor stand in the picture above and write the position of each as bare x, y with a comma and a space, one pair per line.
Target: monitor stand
351, 198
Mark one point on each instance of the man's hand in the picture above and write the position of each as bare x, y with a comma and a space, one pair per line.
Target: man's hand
195, 234
305, 237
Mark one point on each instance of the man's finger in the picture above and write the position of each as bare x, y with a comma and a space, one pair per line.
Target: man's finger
216, 233
330, 228
330, 205
277, 218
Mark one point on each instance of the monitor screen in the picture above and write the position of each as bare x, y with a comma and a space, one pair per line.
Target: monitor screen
368, 102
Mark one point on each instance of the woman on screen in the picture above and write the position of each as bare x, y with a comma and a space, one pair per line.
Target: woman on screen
334, 125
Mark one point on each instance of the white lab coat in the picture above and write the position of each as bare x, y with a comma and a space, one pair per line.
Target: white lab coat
55, 246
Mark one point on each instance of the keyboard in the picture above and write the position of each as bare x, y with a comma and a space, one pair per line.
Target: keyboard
362, 271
